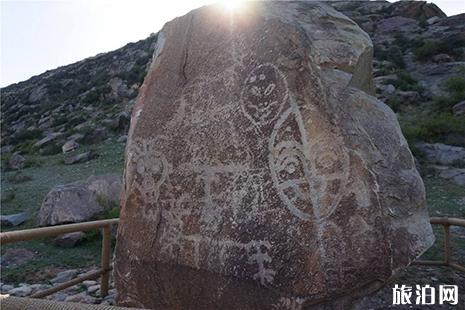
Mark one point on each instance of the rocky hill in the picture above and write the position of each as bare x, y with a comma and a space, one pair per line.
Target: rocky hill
86, 102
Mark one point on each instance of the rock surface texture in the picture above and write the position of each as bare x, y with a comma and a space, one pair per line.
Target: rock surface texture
260, 171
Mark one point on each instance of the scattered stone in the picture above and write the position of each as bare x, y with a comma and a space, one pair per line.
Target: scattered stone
106, 186
6, 288
278, 194
440, 58
76, 298
50, 138
13, 219
80, 158
69, 240
89, 283
98, 135
92, 289
122, 139
69, 146
21, 291
69, 203
16, 257
39, 287
459, 109
17, 161
76, 137
455, 175
64, 276
442, 154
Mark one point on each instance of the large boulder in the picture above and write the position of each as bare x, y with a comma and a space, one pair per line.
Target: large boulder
80, 201
260, 170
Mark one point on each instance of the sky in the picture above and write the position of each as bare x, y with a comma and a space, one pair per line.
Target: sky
40, 35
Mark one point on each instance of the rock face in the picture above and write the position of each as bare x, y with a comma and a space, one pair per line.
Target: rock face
260, 170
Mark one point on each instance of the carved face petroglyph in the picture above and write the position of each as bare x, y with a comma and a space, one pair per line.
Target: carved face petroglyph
264, 94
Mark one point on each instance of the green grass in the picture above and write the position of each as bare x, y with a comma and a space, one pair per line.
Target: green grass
28, 197
445, 198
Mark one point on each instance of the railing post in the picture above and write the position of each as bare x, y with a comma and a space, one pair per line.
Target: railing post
105, 278
446, 244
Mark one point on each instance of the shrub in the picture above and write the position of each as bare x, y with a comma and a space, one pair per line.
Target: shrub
433, 128
455, 84
405, 82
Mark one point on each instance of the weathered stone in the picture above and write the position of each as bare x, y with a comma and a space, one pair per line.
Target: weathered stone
69, 146
49, 139
106, 186
16, 257
13, 219
69, 240
21, 291
17, 161
6, 288
442, 154
64, 276
420, 10
459, 109
455, 175
81, 158
259, 170
69, 203
93, 289
80, 201
439, 58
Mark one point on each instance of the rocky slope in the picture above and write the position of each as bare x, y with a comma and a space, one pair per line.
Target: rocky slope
86, 101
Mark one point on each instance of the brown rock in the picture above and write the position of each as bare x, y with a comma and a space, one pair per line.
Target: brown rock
17, 161
81, 158
69, 203
259, 171
420, 10
69, 146
69, 240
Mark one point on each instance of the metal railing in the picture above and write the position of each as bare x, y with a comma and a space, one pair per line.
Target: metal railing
52, 231
446, 223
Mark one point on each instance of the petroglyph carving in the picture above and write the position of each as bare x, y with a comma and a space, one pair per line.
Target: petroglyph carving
310, 177
150, 166
264, 94
261, 257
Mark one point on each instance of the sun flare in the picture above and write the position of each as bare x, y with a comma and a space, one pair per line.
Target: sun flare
232, 5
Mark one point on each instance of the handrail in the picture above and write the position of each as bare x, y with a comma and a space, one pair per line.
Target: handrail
43, 232
446, 222
51, 231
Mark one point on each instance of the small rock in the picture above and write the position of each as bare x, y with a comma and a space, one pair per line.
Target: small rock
92, 289
76, 298
39, 287
80, 158
76, 137
13, 219
69, 146
122, 139
6, 288
89, 283
21, 291
17, 162
440, 58
48, 139
64, 276
16, 257
459, 109
69, 240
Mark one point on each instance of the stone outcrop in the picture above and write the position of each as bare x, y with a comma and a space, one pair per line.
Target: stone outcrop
79, 201
442, 154
260, 171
